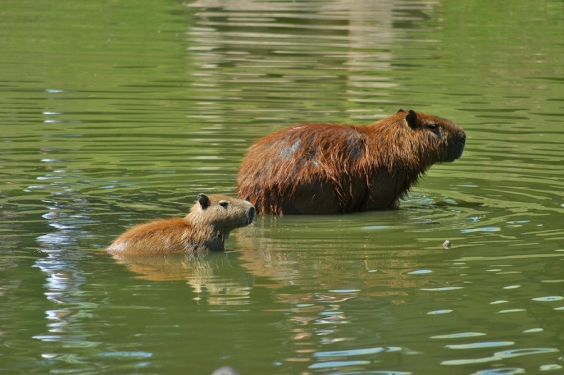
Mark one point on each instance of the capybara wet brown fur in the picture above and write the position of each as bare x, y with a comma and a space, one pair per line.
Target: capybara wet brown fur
317, 168
206, 227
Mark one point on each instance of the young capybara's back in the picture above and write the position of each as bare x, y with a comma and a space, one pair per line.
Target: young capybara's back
206, 227
328, 169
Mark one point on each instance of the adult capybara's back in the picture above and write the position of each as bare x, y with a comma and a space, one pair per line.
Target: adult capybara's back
329, 169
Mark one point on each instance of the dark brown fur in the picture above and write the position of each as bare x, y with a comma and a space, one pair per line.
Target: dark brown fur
328, 169
206, 227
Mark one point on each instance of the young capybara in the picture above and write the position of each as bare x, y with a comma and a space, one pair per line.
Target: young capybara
317, 168
206, 227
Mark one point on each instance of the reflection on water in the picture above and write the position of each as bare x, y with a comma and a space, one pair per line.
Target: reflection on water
65, 278
210, 275
113, 114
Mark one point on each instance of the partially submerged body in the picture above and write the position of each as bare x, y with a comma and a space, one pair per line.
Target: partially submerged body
330, 169
206, 227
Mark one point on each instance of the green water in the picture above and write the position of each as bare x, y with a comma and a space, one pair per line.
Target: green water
117, 112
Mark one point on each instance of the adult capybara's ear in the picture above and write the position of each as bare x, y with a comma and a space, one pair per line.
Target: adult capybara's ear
401, 110
203, 200
411, 119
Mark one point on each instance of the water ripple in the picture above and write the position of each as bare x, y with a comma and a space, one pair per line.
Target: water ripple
501, 355
548, 298
337, 364
344, 353
486, 344
459, 335
501, 371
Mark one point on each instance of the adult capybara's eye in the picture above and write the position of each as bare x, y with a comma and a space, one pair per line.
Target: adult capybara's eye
433, 126
224, 204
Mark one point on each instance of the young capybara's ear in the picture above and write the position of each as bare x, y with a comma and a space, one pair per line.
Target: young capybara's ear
401, 110
411, 119
203, 200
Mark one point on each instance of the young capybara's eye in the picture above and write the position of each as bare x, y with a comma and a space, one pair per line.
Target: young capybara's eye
224, 204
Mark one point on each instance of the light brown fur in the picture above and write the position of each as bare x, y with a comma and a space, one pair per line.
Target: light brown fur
206, 227
317, 168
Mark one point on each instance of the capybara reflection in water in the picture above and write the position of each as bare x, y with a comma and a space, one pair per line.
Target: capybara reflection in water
206, 227
316, 168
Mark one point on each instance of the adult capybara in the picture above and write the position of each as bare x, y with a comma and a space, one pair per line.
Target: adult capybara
316, 168
206, 227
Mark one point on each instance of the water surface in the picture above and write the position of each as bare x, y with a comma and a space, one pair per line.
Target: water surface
118, 112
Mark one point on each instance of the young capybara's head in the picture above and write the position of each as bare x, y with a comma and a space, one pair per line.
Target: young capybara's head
221, 211
441, 140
